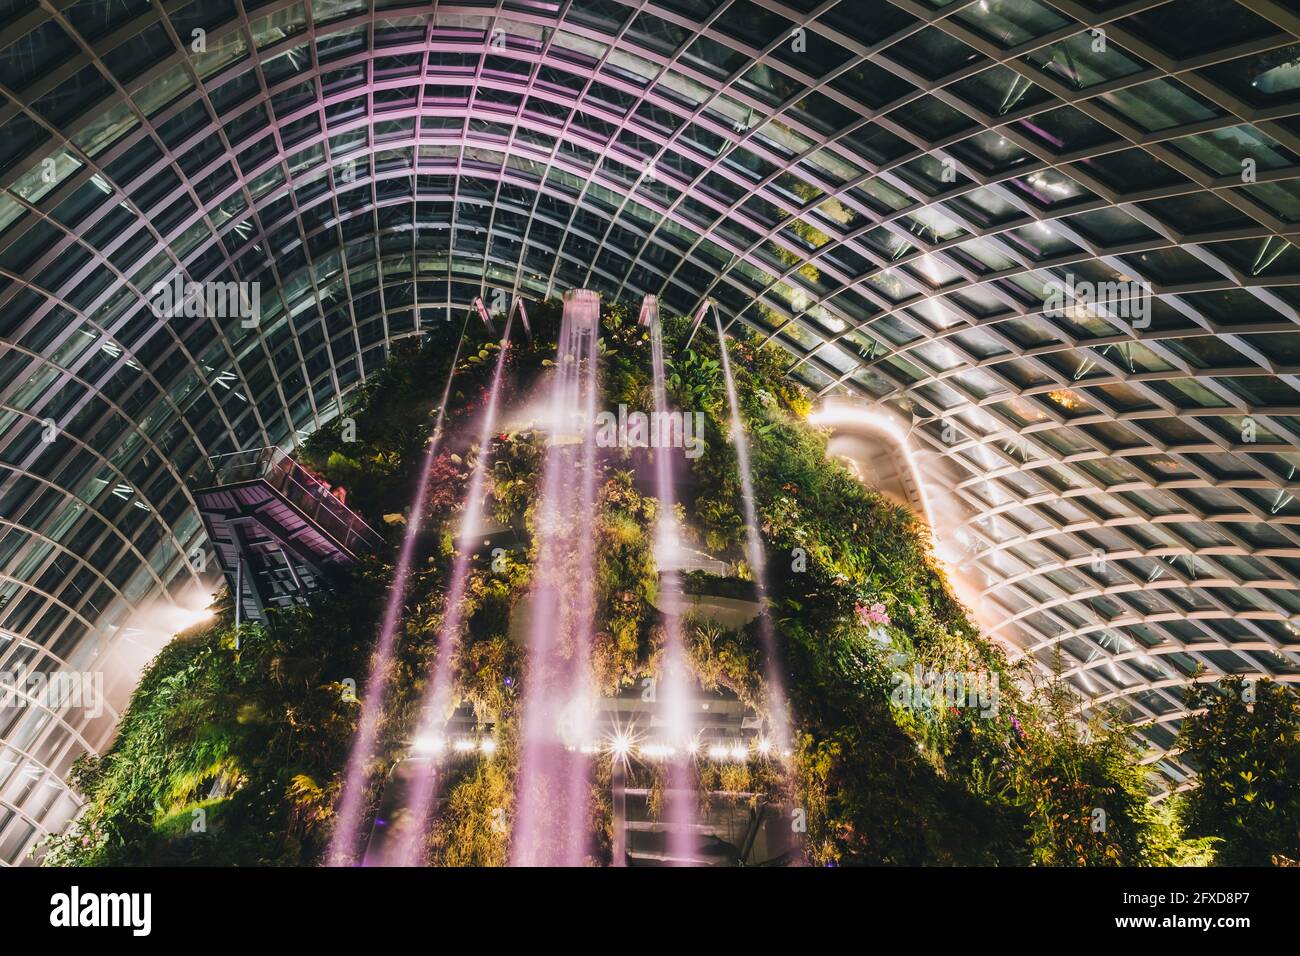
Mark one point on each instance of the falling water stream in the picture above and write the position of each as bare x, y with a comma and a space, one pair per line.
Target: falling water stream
408, 849
779, 715
551, 825
673, 689
356, 777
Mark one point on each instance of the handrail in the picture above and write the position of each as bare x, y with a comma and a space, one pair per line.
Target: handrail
307, 493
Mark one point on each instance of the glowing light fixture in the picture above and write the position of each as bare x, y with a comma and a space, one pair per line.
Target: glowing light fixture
428, 744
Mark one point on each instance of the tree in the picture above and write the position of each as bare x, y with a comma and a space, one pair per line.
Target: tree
1244, 742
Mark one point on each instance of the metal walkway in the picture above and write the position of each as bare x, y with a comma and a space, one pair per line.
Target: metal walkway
276, 529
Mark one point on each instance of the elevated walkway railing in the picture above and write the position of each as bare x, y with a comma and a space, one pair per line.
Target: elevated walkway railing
300, 488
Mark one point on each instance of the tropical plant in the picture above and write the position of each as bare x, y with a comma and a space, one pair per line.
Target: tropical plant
248, 731
1243, 738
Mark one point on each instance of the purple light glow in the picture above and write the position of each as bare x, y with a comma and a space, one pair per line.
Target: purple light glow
673, 684
437, 697
580, 676
356, 777
780, 717
551, 825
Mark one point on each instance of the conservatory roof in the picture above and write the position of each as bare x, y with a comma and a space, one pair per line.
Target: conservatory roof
883, 187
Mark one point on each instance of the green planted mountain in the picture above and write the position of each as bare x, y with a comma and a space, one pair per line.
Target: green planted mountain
233, 746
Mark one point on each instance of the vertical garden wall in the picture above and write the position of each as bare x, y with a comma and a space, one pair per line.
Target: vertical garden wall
233, 747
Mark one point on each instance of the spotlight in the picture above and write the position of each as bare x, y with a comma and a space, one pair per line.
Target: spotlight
487, 745
719, 752
621, 746
764, 746
739, 752
464, 745
428, 744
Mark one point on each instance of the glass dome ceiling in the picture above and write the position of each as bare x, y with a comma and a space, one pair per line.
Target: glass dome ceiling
883, 188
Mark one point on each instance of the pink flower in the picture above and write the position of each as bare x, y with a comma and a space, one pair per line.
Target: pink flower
875, 614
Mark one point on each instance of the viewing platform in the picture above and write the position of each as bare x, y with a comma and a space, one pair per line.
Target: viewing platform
276, 528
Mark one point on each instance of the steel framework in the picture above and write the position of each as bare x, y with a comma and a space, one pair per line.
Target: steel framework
881, 188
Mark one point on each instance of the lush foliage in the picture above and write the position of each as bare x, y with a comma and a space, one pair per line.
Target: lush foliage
1244, 741
229, 750
880, 782
255, 736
